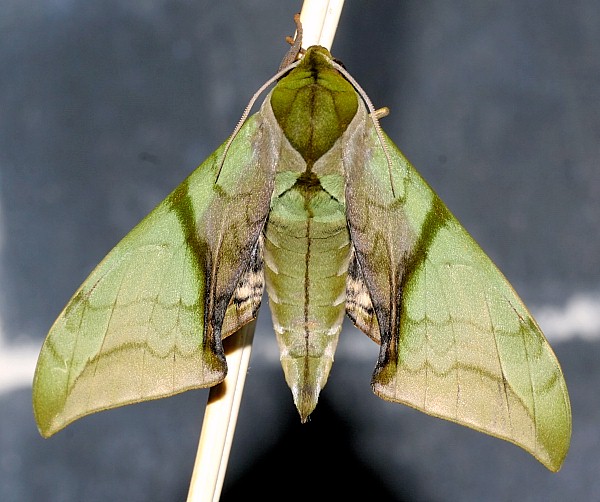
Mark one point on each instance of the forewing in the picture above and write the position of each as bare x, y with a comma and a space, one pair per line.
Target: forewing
456, 340
147, 321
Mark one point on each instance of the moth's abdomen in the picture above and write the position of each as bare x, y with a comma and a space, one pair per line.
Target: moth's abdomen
306, 253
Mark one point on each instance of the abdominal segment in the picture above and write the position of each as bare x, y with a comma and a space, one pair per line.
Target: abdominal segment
306, 254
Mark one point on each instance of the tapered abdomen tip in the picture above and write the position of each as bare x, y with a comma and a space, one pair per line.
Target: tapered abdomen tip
305, 399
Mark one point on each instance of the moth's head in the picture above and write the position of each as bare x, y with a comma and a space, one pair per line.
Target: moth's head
316, 55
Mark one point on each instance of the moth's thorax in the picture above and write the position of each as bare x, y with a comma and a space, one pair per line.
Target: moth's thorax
313, 105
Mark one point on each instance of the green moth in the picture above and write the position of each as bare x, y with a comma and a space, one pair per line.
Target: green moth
310, 199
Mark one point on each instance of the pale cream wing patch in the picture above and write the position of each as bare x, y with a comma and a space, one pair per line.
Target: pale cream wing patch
358, 302
247, 296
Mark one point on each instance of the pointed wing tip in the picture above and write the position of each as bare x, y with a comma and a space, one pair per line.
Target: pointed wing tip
47, 427
551, 466
552, 459
47, 432
52, 416
551, 456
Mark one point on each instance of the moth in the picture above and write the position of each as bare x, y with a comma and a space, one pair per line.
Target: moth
312, 201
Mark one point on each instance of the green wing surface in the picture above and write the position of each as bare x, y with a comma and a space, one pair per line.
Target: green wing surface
456, 340
147, 322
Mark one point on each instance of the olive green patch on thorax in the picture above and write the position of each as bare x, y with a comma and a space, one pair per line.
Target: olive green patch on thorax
314, 104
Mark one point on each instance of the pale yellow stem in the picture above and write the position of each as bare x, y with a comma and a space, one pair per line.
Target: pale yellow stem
220, 419
319, 20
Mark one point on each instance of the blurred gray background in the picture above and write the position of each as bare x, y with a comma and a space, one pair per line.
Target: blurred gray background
106, 105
